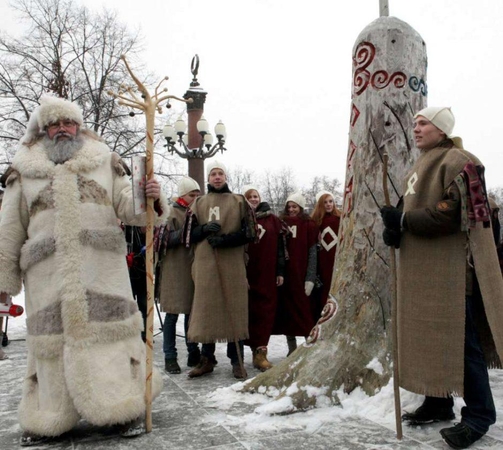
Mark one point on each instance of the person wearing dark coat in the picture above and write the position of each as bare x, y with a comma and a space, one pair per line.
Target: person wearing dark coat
135, 238
295, 312
327, 217
265, 271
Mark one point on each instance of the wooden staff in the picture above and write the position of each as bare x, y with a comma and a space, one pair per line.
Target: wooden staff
149, 104
394, 301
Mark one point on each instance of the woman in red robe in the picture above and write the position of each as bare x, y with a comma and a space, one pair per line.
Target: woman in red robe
295, 316
265, 272
327, 217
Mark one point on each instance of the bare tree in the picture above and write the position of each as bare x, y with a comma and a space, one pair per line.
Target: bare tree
320, 183
238, 178
75, 54
277, 186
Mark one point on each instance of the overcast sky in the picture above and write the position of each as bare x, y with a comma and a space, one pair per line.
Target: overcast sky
278, 72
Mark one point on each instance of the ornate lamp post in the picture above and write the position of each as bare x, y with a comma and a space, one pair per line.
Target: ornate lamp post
176, 135
194, 142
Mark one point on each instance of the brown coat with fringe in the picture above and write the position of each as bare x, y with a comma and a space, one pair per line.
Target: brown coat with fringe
176, 285
220, 308
432, 283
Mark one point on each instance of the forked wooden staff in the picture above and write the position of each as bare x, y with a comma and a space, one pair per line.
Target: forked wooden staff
149, 104
394, 328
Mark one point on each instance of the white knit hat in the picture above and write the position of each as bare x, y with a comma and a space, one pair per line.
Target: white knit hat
186, 185
443, 118
53, 109
215, 164
298, 198
319, 194
249, 187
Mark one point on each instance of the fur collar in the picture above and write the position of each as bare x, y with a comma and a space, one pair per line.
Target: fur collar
32, 162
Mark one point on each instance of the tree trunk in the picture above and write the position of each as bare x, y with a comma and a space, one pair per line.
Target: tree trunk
350, 346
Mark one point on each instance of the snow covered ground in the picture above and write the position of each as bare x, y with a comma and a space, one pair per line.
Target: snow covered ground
209, 412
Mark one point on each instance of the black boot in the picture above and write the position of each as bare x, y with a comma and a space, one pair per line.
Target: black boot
30, 439
194, 358
460, 436
433, 409
171, 366
292, 344
133, 428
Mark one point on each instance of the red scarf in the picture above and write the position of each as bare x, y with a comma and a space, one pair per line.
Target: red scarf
182, 202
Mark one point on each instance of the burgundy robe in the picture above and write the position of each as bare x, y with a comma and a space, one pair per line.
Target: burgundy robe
261, 273
329, 230
295, 314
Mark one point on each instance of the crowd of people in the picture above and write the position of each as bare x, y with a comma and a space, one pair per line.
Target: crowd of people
237, 272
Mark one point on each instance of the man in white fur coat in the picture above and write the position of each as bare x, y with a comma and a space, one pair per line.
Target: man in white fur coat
63, 195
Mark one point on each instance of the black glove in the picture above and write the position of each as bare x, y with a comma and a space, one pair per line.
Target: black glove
211, 227
391, 217
201, 232
391, 238
215, 241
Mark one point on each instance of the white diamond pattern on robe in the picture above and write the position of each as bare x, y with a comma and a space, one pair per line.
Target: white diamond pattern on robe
328, 245
261, 231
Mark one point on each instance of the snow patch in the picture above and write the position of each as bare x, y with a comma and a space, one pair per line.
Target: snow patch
376, 366
281, 406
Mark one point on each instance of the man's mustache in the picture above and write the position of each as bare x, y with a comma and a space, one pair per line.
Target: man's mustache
61, 134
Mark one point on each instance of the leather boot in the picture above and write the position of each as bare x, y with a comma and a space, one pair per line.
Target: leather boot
260, 361
29, 439
206, 365
239, 372
292, 344
433, 409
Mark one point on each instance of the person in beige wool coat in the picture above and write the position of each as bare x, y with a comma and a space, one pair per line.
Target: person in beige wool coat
64, 192
449, 286
176, 285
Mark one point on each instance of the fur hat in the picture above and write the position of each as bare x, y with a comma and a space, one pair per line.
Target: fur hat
53, 109
298, 198
249, 187
319, 194
443, 119
215, 164
186, 185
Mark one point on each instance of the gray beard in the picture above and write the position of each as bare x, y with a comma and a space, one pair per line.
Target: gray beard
63, 150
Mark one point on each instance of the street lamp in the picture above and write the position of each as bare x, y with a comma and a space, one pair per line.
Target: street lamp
177, 139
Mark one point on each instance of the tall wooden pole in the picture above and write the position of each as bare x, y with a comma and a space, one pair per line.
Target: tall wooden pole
149, 104
383, 8
394, 311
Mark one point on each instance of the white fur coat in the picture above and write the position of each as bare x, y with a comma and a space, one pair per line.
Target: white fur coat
61, 238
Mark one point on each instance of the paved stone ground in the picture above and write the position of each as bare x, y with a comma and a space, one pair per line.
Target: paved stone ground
184, 417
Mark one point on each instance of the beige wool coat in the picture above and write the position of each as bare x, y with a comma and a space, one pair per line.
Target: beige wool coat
220, 308
61, 239
432, 283
177, 287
